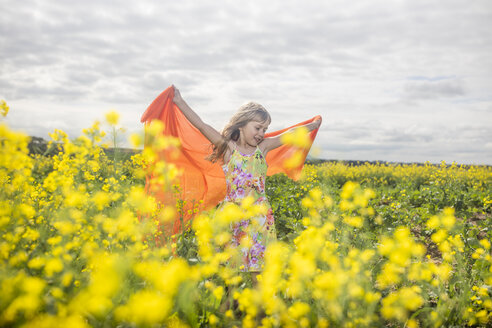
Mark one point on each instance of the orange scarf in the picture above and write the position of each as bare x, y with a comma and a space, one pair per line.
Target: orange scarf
201, 179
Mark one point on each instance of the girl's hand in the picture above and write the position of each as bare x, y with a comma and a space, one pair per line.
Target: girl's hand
177, 96
313, 125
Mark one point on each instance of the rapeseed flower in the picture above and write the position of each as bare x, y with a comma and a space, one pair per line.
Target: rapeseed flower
397, 305
4, 109
145, 308
112, 117
136, 140
298, 137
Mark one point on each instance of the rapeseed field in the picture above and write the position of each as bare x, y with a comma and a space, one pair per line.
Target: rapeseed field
374, 245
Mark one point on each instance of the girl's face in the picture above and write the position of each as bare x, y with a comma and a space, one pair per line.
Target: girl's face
253, 132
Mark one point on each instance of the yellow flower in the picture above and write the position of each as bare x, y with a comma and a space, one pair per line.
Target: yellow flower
482, 316
222, 238
155, 128
145, 308
366, 255
295, 160
485, 243
218, 292
390, 275
57, 293
213, 320
443, 271
67, 279
398, 304
298, 137
354, 221
299, 309
412, 323
246, 242
139, 199
4, 109
136, 140
101, 199
33, 285
53, 266
168, 214
439, 236
112, 117
433, 222
36, 263
348, 189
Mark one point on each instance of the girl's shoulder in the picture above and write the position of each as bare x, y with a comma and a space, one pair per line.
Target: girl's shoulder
263, 148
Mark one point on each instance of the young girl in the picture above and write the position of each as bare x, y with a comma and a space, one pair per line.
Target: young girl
242, 148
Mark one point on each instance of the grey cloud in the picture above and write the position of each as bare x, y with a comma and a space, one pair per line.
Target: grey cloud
402, 136
433, 89
344, 60
433, 142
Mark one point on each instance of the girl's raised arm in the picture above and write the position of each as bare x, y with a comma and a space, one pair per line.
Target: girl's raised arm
274, 142
209, 132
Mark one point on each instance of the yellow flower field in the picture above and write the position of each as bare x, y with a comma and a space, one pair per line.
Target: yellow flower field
373, 245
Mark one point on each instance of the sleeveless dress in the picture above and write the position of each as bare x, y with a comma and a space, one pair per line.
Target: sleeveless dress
245, 176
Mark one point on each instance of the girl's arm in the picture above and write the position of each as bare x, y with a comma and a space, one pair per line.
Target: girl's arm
209, 132
274, 142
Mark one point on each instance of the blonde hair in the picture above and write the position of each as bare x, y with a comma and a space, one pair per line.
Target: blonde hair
248, 112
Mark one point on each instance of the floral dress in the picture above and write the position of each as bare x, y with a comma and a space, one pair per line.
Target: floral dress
245, 176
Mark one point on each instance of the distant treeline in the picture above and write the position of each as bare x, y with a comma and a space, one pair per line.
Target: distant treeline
39, 146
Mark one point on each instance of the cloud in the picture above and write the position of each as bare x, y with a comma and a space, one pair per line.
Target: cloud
433, 89
406, 142
381, 74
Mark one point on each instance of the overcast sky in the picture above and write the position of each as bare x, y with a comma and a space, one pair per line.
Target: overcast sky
407, 81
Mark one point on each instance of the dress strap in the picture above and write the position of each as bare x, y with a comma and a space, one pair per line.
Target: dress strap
241, 153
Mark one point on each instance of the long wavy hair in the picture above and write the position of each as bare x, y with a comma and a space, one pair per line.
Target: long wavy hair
248, 112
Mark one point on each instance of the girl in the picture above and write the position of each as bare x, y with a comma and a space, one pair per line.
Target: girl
242, 149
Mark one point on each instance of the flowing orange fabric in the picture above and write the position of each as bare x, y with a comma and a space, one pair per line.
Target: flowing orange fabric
201, 179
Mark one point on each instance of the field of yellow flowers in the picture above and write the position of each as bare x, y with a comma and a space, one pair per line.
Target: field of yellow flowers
358, 246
